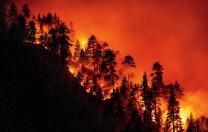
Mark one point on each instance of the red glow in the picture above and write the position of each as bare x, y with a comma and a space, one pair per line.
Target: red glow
174, 33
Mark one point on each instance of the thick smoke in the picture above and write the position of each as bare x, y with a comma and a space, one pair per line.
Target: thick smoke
172, 32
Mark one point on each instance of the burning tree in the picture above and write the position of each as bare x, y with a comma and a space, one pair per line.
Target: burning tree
173, 121
147, 96
157, 90
77, 51
129, 62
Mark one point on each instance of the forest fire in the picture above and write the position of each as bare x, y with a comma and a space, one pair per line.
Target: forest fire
108, 76
83, 43
185, 114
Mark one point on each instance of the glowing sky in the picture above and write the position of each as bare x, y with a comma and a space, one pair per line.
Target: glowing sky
172, 32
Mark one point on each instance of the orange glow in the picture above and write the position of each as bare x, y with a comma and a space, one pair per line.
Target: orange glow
174, 33
73, 70
184, 113
83, 43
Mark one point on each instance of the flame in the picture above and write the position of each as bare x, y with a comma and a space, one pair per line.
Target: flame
83, 43
72, 70
184, 113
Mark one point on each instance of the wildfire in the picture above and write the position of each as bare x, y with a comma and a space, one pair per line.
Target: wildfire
83, 43
72, 70
184, 113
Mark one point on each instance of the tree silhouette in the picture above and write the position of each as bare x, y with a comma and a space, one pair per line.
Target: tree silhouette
26, 11
191, 124
77, 51
96, 65
129, 62
65, 43
157, 88
82, 57
135, 93
147, 96
48, 20
31, 32
173, 121
124, 96
13, 13
108, 67
53, 44
90, 51
98, 58
41, 22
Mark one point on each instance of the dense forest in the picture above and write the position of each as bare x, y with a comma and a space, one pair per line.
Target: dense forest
47, 86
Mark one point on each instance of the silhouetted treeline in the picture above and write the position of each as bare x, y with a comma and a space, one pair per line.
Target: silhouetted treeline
40, 94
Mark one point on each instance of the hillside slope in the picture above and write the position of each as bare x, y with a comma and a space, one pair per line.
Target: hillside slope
38, 94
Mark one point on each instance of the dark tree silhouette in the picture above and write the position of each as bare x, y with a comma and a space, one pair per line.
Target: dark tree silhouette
124, 96
108, 67
90, 51
48, 19
147, 96
13, 13
157, 89
26, 11
135, 94
129, 62
82, 57
31, 32
173, 121
65, 43
191, 124
77, 49
53, 44
98, 58
41, 22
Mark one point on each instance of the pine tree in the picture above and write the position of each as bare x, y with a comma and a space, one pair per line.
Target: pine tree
26, 11
65, 43
108, 67
53, 44
134, 97
41, 23
158, 120
173, 120
98, 58
157, 88
31, 32
129, 63
48, 20
13, 25
191, 124
147, 96
124, 96
13, 13
90, 51
82, 57
77, 51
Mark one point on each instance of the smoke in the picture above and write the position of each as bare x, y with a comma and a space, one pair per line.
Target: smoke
171, 32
